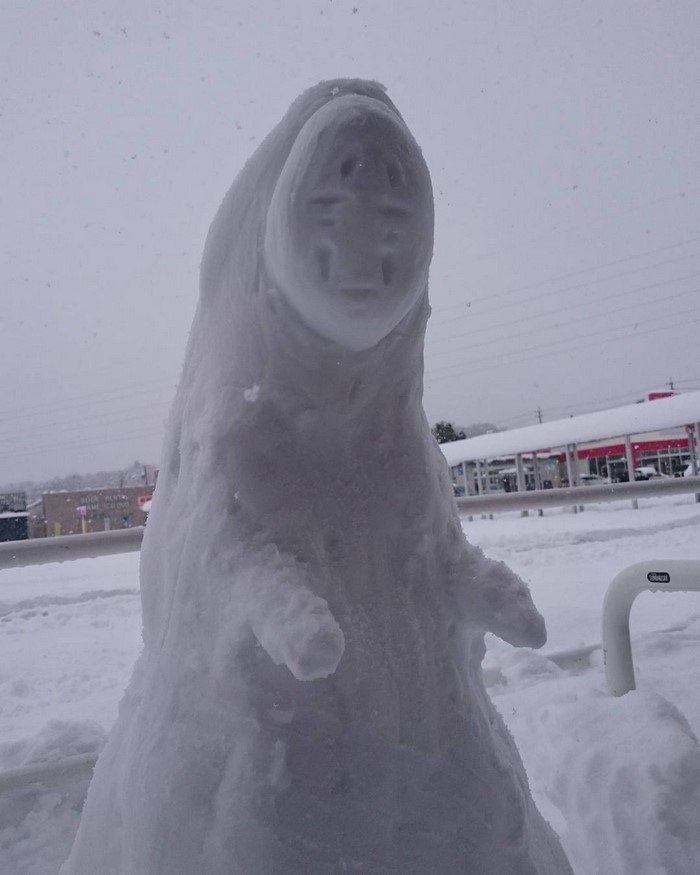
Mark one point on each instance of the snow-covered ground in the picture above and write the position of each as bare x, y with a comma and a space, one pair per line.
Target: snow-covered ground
619, 779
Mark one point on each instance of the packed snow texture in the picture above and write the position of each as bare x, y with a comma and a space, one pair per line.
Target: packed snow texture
69, 635
309, 698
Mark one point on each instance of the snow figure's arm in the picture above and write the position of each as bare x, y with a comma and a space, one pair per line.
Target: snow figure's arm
493, 597
294, 626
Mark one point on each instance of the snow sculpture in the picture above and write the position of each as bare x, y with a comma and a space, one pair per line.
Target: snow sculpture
309, 697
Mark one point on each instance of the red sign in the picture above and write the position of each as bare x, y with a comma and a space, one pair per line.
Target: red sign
143, 499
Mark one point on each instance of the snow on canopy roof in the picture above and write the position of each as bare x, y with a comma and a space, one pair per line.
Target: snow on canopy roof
632, 419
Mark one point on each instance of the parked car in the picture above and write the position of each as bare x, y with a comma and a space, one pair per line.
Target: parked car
592, 480
648, 472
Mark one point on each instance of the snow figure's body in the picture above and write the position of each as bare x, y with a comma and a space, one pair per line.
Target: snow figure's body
309, 698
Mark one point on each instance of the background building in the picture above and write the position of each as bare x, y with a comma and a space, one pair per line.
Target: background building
89, 510
656, 438
13, 516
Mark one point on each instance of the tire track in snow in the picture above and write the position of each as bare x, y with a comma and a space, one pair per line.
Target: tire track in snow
47, 601
553, 541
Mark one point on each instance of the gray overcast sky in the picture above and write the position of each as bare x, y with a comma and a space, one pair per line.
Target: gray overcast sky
563, 141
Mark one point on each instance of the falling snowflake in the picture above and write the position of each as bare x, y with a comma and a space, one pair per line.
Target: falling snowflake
251, 395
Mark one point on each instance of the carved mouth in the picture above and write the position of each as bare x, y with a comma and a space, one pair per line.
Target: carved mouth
359, 294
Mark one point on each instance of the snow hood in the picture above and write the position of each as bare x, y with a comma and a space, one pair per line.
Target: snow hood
288, 313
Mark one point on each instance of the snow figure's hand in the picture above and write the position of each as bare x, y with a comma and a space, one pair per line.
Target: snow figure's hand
499, 601
297, 629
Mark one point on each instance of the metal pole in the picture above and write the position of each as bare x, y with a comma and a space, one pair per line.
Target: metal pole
538, 479
693, 433
570, 472
630, 466
479, 483
574, 464
520, 474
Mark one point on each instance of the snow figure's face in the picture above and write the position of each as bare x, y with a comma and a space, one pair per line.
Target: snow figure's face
349, 232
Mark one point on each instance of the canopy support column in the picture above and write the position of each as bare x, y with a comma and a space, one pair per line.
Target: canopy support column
693, 432
630, 466
570, 471
479, 478
520, 474
538, 479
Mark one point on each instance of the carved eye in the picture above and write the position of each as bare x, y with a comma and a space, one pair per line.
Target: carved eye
348, 166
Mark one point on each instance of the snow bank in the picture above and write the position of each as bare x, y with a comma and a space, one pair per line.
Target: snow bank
621, 778
38, 820
568, 559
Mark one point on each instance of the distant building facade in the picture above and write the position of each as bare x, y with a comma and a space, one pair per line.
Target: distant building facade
540, 470
668, 452
89, 510
14, 519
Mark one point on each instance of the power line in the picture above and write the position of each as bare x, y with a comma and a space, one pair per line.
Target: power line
102, 396
560, 324
596, 403
570, 275
681, 195
33, 451
691, 312
489, 367
631, 396
98, 420
573, 288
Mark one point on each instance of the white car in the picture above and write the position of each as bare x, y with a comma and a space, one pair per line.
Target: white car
592, 480
648, 472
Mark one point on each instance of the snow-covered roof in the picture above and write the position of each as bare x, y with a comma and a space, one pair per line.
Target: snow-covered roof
632, 419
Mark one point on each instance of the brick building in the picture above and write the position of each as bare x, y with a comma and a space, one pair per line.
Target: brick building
89, 510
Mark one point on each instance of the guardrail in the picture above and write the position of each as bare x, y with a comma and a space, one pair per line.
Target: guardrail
40, 551
576, 495
664, 575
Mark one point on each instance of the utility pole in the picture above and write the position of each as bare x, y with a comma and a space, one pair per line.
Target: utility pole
539, 415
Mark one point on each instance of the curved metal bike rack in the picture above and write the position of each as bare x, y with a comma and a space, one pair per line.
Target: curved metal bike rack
663, 575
